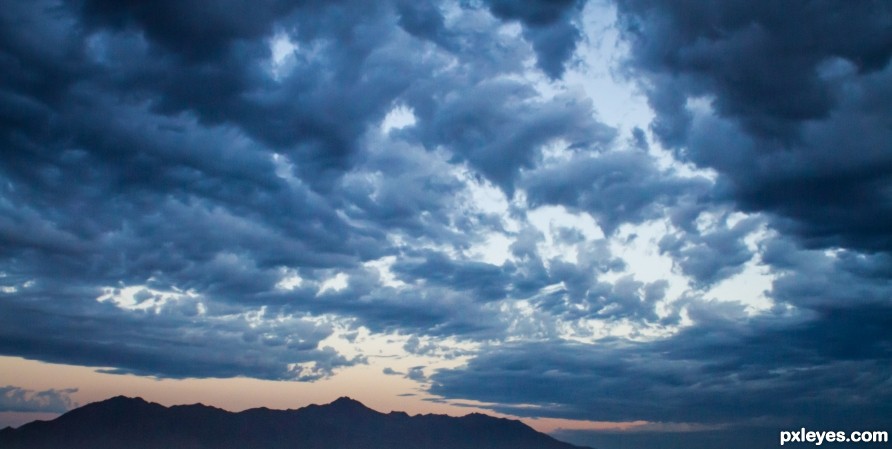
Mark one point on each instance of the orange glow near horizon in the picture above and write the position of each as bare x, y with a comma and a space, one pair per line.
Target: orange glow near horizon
364, 383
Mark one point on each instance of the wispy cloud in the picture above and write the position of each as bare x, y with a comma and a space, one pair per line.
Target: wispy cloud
15, 399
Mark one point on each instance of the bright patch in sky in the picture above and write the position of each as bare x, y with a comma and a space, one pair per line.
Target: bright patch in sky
398, 118
290, 280
283, 58
335, 284
383, 267
141, 297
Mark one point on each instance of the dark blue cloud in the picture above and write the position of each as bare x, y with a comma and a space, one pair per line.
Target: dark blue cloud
548, 25
499, 127
818, 280
425, 21
811, 370
483, 281
416, 373
142, 149
614, 187
177, 340
189, 28
796, 94
712, 255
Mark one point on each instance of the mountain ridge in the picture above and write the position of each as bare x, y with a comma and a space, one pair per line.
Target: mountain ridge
134, 423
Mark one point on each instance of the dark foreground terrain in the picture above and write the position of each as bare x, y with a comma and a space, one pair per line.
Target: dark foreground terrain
133, 423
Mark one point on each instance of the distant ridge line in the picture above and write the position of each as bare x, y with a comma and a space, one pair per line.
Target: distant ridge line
134, 423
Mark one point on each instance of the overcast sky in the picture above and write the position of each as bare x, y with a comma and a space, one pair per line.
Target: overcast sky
673, 218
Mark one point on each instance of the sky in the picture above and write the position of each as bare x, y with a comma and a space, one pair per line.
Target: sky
630, 223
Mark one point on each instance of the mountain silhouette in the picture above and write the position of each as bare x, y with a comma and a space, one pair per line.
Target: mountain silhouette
133, 423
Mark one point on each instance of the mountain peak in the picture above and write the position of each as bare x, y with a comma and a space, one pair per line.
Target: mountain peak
124, 399
347, 404
120, 422
347, 401
118, 403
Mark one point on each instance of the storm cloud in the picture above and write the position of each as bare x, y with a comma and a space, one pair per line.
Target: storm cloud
726, 370
244, 190
784, 101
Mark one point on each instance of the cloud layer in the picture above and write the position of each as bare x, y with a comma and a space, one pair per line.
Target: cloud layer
188, 192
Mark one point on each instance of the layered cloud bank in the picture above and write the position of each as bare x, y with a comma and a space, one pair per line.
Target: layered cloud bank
244, 190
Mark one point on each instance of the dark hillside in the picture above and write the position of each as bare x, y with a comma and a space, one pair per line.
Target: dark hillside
132, 423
